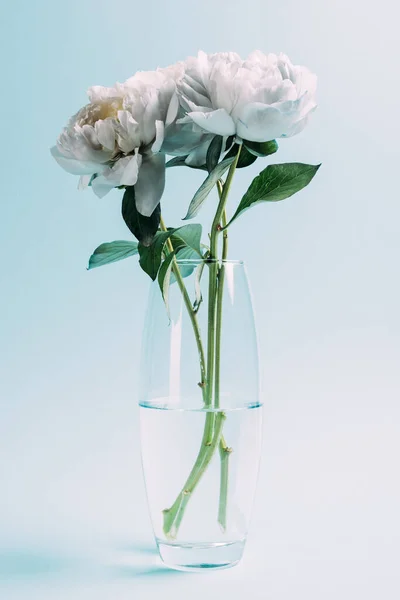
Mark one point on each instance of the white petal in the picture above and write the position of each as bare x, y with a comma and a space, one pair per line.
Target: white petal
156, 147
182, 139
173, 108
296, 128
150, 184
101, 186
194, 96
84, 181
105, 133
97, 93
217, 121
126, 119
188, 105
90, 135
260, 123
304, 80
73, 166
129, 175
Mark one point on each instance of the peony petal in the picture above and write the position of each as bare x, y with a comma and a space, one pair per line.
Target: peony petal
156, 147
173, 108
129, 175
259, 122
84, 181
73, 166
188, 105
194, 96
105, 133
150, 184
123, 172
297, 127
181, 139
90, 135
217, 121
98, 93
305, 81
101, 186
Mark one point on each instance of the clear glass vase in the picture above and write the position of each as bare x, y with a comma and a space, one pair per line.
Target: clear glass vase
200, 414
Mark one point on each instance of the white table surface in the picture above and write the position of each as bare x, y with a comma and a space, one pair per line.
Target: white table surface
325, 523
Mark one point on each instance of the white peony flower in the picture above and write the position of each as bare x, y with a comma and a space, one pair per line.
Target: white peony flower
115, 140
258, 99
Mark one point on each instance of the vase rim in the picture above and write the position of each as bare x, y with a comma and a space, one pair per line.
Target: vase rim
197, 261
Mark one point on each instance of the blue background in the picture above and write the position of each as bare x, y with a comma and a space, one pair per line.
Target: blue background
324, 267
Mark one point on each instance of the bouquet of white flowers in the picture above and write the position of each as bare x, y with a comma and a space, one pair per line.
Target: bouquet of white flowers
213, 112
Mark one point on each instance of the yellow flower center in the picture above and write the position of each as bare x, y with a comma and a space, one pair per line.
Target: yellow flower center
104, 109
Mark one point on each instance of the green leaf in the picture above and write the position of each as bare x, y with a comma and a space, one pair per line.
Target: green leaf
164, 278
190, 235
185, 236
261, 148
206, 187
150, 256
275, 183
246, 158
214, 153
111, 252
179, 161
185, 253
143, 228
187, 244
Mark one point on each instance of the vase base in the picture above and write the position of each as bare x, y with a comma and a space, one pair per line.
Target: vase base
197, 557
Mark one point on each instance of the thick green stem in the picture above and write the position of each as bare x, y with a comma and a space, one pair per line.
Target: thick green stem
213, 283
216, 227
224, 453
224, 450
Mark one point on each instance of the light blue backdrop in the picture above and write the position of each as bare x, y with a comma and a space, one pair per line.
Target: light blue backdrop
325, 272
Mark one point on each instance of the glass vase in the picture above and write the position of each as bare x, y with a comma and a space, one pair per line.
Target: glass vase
200, 413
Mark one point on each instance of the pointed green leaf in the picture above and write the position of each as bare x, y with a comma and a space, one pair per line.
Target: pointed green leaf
246, 158
186, 242
185, 236
112, 252
275, 183
164, 278
261, 148
143, 228
206, 187
190, 235
214, 153
179, 161
184, 253
150, 256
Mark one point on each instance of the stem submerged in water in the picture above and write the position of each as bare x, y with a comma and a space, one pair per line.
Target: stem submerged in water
173, 516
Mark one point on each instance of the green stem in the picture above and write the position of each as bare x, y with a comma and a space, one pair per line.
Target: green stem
224, 450
216, 227
220, 294
224, 453
212, 286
